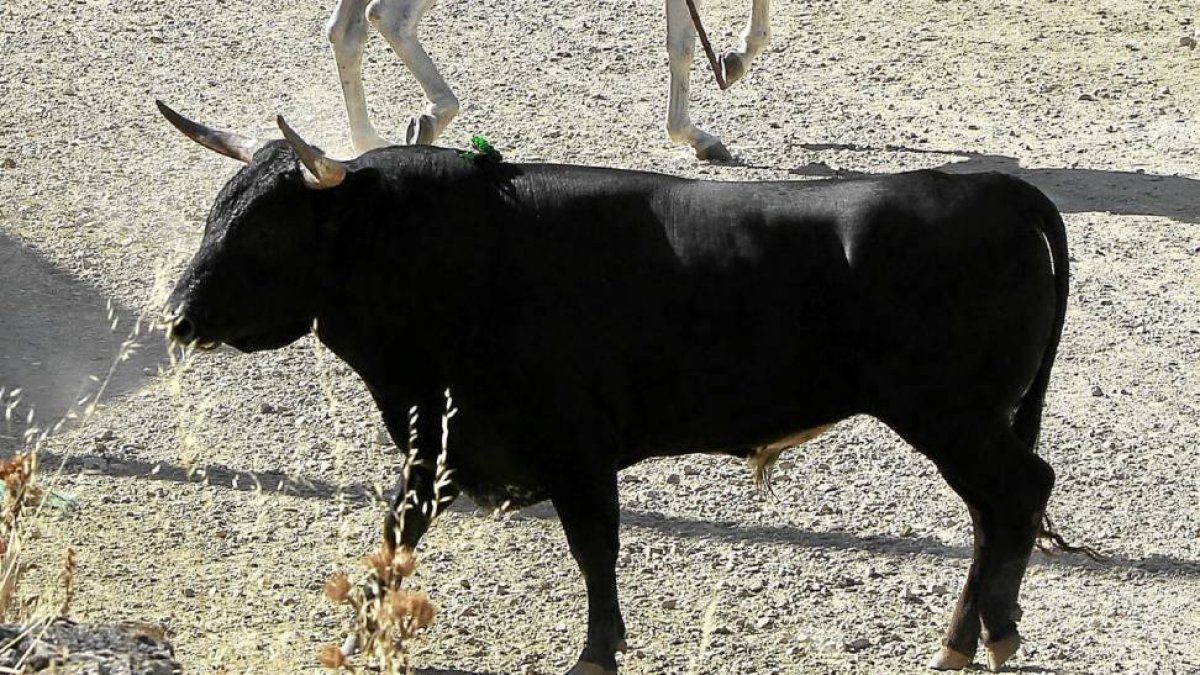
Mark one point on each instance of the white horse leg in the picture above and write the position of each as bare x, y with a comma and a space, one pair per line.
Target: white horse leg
397, 21
736, 63
681, 48
347, 32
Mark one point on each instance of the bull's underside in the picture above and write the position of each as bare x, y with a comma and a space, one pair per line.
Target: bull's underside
586, 319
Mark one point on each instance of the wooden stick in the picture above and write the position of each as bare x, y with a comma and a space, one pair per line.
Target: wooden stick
708, 50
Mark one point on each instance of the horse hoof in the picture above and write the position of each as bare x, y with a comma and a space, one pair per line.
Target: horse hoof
999, 651
363, 146
733, 67
422, 130
587, 668
714, 152
949, 659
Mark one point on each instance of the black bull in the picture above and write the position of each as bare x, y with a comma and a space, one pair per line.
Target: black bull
589, 318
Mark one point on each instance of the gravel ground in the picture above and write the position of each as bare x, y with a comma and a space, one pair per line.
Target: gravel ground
217, 501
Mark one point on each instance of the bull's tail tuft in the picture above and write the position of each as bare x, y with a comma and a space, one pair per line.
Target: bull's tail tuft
1051, 542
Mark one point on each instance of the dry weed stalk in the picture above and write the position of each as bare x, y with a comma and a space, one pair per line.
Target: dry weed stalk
19, 492
388, 617
707, 627
66, 578
325, 379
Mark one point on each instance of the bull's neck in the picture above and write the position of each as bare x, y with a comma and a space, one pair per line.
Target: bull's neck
408, 287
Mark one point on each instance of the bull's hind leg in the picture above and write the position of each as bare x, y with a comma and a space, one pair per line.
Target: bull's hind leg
681, 48
736, 62
397, 21
962, 637
1006, 487
347, 32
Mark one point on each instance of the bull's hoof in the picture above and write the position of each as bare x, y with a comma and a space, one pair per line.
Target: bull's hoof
422, 130
999, 651
733, 67
714, 152
622, 646
588, 668
949, 659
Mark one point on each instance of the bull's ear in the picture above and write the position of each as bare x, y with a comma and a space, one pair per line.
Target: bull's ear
233, 145
322, 172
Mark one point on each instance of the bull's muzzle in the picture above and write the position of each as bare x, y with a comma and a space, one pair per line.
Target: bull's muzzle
184, 332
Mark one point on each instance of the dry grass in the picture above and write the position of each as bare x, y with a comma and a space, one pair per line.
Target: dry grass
27, 492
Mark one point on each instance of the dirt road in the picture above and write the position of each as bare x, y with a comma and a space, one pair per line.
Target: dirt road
218, 501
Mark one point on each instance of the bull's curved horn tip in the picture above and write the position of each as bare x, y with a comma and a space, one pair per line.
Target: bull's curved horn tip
284, 126
323, 172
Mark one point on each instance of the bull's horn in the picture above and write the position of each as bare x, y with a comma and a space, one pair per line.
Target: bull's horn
229, 144
322, 172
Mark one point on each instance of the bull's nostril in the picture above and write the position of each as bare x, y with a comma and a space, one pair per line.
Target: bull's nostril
182, 331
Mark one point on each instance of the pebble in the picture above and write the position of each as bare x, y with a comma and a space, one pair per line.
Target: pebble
857, 645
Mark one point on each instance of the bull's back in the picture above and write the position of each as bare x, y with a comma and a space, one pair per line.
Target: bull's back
714, 314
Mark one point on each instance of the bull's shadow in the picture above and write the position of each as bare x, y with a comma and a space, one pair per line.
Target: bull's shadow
57, 343
677, 526
1073, 190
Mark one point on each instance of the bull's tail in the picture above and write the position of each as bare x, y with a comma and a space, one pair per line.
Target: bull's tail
1027, 422
1052, 543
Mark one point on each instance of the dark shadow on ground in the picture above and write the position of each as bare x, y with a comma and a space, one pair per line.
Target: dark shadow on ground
439, 671
55, 334
1073, 190
679, 526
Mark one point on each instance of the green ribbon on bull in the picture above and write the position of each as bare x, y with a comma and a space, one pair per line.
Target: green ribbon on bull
482, 152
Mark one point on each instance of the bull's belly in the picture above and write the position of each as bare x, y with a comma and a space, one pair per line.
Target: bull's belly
497, 497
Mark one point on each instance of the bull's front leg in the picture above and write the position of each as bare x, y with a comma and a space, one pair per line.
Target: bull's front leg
588, 507
425, 489
736, 62
419, 499
397, 21
681, 48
